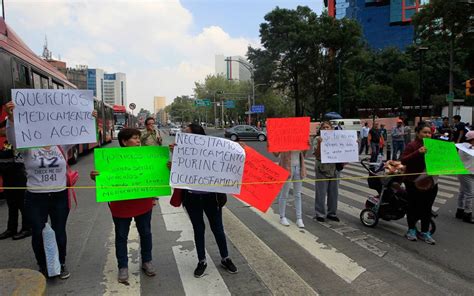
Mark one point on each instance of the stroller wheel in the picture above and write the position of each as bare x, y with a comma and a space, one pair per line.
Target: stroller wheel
369, 218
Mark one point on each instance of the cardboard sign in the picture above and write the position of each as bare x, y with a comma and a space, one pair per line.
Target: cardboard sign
339, 146
288, 134
465, 148
268, 177
442, 158
46, 117
204, 163
131, 173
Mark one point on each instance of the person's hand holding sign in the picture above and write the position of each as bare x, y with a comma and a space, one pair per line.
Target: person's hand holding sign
422, 150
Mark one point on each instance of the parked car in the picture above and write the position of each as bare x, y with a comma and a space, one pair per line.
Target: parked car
245, 132
174, 130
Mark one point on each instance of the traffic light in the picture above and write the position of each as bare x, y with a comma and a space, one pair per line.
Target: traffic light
469, 87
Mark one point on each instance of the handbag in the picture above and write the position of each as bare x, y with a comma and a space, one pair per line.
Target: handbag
72, 176
424, 183
177, 197
340, 166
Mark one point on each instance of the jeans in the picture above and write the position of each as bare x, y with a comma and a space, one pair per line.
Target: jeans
466, 193
198, 204
282, 199
364, 143
323, 189
419, 206
14, 176
122, 227
38, 207
375, 149
398, 146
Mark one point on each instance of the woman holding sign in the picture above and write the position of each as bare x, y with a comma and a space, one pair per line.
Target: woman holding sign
46, 194
422, 189
196, 204
327, 185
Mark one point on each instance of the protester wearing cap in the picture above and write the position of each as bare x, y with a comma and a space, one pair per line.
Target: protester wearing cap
398, 140
466, 190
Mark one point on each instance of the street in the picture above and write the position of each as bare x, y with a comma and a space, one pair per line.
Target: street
327, 258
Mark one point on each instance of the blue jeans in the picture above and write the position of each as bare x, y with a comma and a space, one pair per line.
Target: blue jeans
122, 227
198, 204
375, 149
398, 146
294, 176
38, 207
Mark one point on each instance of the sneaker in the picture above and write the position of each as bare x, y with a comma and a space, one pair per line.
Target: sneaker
333, 218
199, 271
468, 218
411, 235
426, 237
319, 219
284, 222
229, 265
123, 275
148, 268
22, 234
299, 223
64, 272
6, 234
459, 213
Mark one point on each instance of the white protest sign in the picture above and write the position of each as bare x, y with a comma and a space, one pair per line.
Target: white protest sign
45, 117
465, 148
205, 163
339, 146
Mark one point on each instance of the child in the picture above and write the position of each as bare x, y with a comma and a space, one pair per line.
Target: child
123, 212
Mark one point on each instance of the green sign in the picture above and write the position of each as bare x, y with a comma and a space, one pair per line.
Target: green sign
131, 173
442, 158
229, 104
450, 97
202, 103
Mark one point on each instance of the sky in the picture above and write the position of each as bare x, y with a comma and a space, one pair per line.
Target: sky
163, 46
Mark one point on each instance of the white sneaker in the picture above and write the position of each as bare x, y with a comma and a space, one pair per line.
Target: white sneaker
284, 222
299, 223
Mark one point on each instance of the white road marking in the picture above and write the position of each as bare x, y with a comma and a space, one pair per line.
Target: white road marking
176, 219
339, 263
112, 286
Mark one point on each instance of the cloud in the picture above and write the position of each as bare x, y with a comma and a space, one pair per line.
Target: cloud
151, 41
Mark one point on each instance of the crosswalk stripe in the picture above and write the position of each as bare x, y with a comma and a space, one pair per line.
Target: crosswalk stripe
278, 276
345, 267
186, 259
112, 286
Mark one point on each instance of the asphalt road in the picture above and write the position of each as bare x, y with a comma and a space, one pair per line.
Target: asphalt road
328, 258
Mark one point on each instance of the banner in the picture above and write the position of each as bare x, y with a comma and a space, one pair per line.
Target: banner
441, 158
259, 169
339, 146
45, 117
131, 173
204, 163
465, 148
287, 134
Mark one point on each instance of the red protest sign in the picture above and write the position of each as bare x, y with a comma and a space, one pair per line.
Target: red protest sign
287, 134
265, 180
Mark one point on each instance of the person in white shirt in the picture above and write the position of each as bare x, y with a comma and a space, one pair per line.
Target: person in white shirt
466, 190
46, 193
364, 136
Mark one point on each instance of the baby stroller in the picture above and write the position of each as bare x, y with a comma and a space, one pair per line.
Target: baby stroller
391, 202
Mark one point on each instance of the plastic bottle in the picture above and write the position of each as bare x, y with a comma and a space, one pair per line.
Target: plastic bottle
51, 251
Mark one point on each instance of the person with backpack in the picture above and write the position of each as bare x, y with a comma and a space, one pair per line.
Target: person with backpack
124, 211
46, 194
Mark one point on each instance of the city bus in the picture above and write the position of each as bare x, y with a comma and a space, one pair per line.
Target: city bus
20, 67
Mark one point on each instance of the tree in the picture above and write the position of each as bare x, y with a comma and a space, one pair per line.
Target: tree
406, 86
378, 96
182, 109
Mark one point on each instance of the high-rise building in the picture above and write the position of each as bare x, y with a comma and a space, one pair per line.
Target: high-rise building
95, 82
385, 23
233, 68
115, 89
159, 104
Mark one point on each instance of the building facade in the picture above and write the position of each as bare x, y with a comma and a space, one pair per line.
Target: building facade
95, 82
232, 69
159, 104
115, 89
385, 23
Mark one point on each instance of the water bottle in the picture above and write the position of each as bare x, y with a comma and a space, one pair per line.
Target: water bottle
51, 251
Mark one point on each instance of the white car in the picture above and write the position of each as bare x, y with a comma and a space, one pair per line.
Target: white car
174, 130
117, 129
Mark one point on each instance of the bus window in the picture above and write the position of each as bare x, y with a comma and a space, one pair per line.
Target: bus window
21, 77
44, 82
40, 82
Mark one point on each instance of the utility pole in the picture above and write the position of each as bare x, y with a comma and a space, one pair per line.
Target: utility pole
339, 91
3, 10
450, 103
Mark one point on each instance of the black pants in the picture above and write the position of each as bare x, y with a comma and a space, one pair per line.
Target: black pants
13, 175
39, 206
419, 206
198, 204
364, 143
